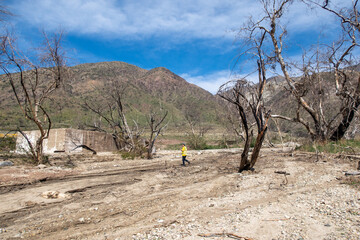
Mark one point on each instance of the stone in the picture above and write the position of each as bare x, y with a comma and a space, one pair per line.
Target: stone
50, 194
53, 195
6, 163
41, 166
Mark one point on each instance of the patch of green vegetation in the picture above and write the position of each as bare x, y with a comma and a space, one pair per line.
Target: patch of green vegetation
17, 159
128, 155
343, 146
173, 147
218, 146
7, 144
252, 143
197, 142
204, 147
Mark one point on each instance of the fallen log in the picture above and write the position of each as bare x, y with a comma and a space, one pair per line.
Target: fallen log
282, 172
275, 220
229, 235
352, 173
349, 156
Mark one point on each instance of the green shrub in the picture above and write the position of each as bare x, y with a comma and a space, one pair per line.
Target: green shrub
128, 155
252, 143
7, 144
173, 147
197, 142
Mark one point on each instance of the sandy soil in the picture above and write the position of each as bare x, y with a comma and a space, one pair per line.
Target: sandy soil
104, 197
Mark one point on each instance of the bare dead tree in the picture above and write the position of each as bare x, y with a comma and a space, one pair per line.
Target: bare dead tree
233, 133
347, 92
109, 107
311, 113
33, 83
4, 13
156, 125
348, 16
197, 128
248, 99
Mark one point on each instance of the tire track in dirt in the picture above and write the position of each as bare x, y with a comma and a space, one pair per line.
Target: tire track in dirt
136, 199
17, 187
141, 198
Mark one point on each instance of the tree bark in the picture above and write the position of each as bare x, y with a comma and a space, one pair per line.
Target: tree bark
348, 116
256, 150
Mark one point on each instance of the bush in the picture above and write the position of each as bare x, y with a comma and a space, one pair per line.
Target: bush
7, 144
128, 155
197, 142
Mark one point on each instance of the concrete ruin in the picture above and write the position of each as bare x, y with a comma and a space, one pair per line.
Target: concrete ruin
67, 140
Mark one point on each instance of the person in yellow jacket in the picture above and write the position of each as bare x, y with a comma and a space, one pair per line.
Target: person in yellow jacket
184, 154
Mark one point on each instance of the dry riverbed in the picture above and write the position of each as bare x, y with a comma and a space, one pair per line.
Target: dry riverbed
105, 197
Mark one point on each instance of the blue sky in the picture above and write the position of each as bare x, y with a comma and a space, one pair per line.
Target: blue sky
194, 39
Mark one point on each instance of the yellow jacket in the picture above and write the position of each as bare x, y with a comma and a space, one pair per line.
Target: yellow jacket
184, 151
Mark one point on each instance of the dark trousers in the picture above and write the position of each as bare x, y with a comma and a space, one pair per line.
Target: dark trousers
184, 160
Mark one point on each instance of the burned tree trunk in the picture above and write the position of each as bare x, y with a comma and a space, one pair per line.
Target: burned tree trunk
109, 107
348, 115
155, 129
248, 98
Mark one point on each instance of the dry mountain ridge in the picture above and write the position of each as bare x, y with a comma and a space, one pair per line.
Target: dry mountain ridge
145, 90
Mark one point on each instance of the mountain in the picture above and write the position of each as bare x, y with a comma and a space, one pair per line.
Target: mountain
144, 90
318, 91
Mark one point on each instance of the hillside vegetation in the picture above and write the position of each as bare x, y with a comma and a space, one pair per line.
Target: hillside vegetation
150, 90
144, 90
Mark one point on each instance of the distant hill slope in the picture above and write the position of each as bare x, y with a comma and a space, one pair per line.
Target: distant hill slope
145, 90
282, 102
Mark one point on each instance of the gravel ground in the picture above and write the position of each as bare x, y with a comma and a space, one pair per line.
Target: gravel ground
110, 198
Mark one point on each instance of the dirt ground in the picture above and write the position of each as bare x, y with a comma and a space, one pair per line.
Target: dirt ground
105, 197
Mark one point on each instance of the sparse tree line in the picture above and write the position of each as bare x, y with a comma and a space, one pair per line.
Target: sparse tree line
110, 108
33, 81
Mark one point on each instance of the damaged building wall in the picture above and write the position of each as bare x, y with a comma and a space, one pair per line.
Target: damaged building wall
67, 140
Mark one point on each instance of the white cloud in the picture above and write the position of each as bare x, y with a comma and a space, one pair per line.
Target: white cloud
141, 18
137, 19
201, 18
210, 82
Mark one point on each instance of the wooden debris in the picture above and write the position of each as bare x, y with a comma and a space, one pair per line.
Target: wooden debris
336, 155
282, 172
275, 220
352, 173
229, 235
349, 156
